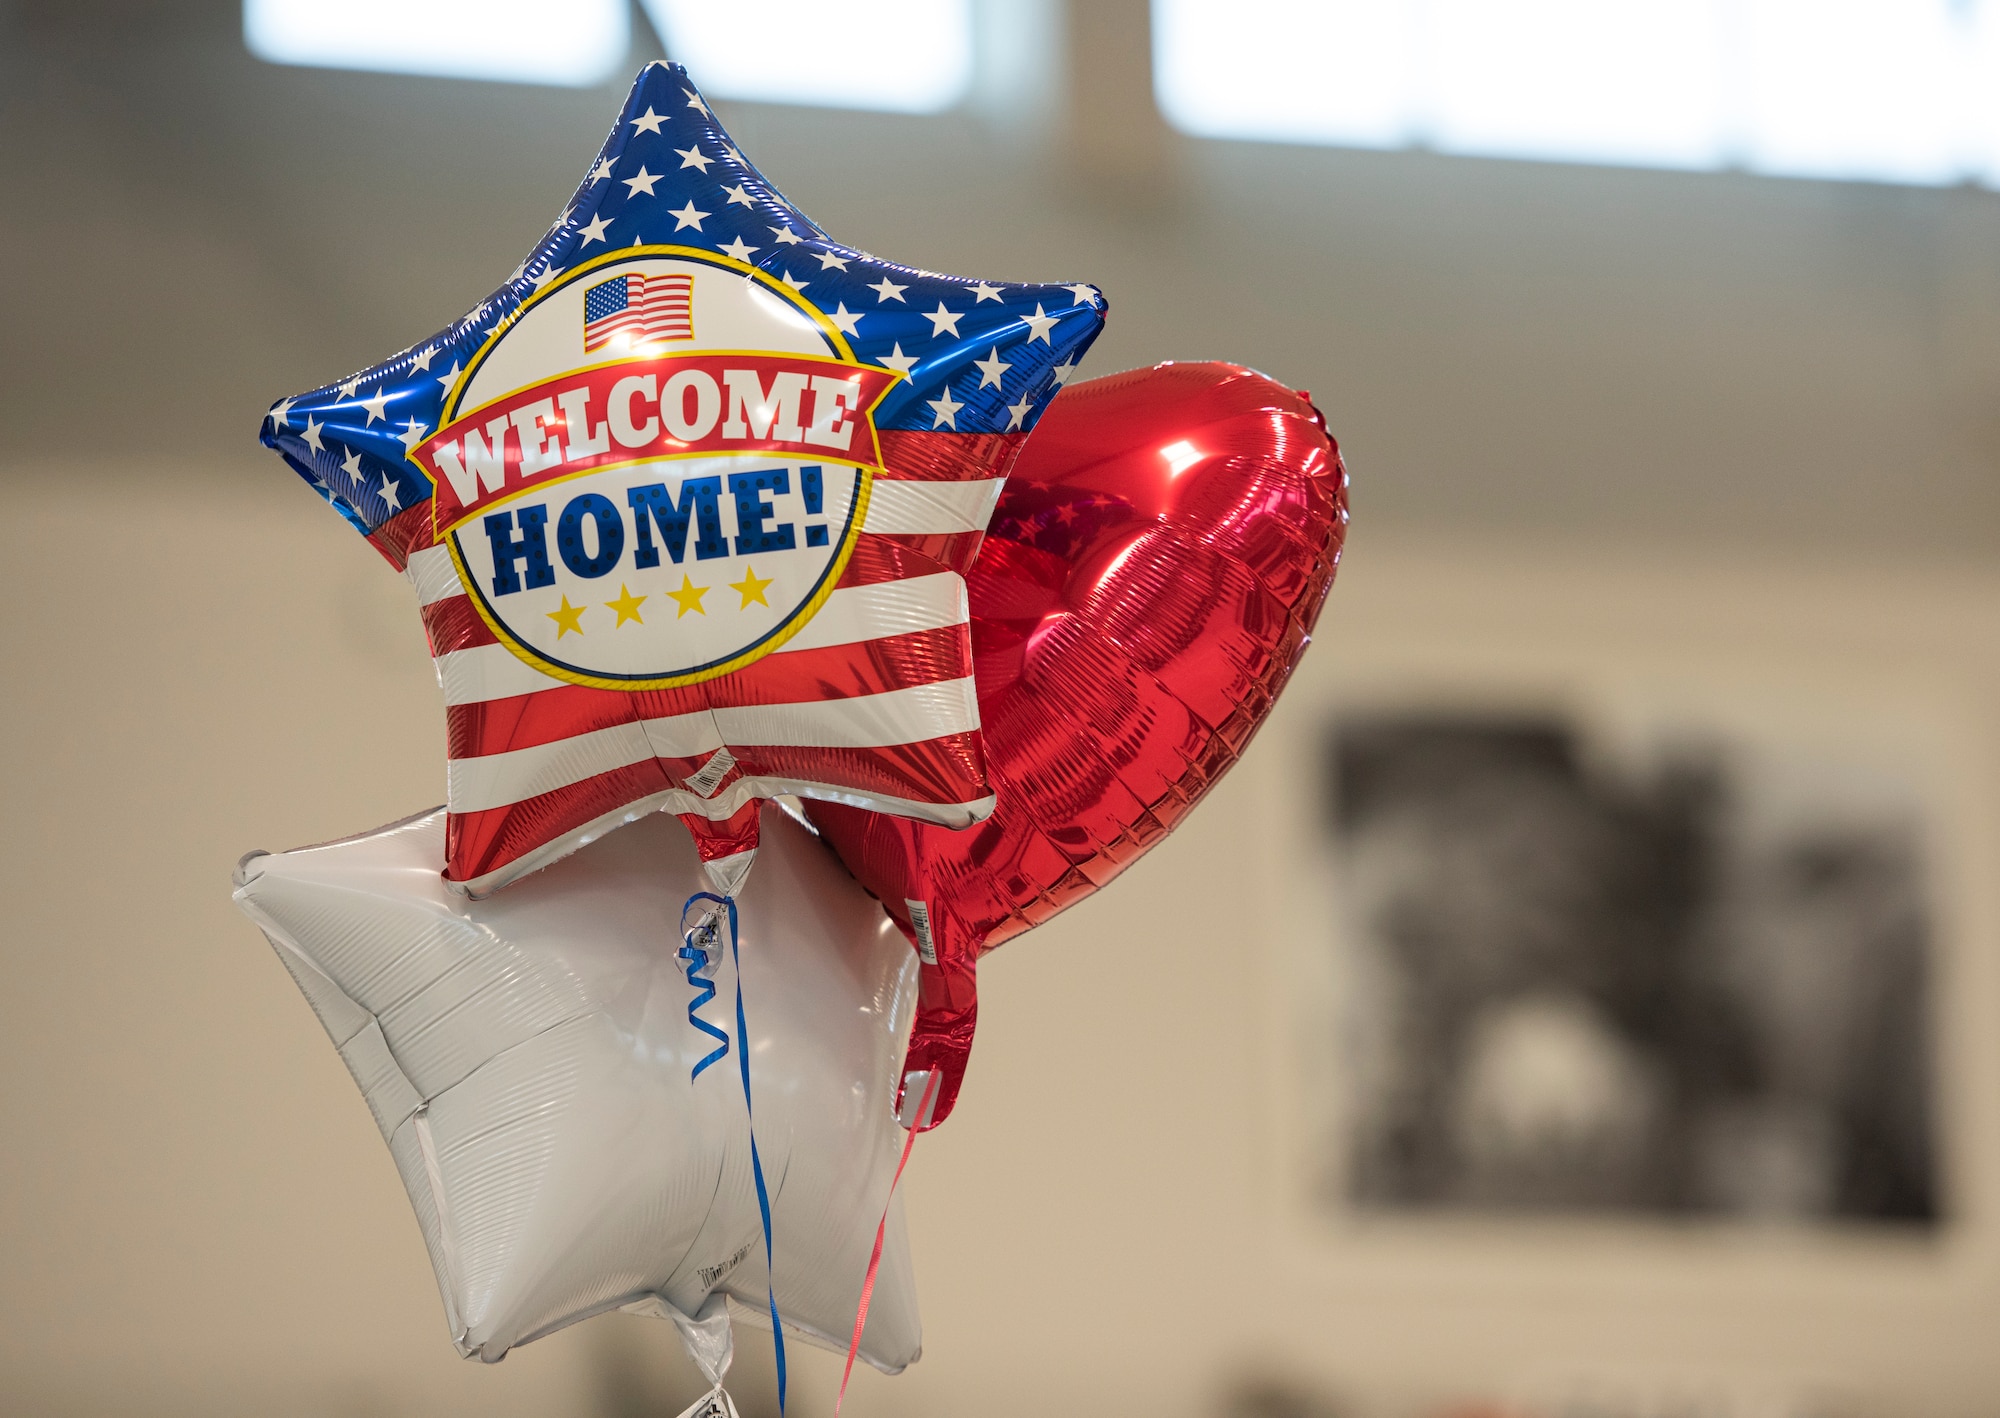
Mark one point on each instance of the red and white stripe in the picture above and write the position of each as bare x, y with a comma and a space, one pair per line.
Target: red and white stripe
656, 308
872, 703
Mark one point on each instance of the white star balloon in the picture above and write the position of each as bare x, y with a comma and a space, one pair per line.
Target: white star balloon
532, 1062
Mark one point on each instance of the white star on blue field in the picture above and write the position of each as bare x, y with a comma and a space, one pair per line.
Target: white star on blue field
979, 356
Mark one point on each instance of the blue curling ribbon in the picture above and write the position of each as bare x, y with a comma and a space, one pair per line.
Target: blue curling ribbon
743, 1066
697, 960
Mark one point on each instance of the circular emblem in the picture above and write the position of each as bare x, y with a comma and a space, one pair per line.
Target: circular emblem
654, 473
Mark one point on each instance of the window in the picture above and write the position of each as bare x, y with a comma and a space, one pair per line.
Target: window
1888, 90
466, 39
907, 56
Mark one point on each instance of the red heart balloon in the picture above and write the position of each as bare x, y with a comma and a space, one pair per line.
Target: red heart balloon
1148, 581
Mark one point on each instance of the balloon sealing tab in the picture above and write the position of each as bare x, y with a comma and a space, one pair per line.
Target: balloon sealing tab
705, 936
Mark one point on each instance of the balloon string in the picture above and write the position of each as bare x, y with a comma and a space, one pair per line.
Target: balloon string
756, 1160
881, 1231
704, 986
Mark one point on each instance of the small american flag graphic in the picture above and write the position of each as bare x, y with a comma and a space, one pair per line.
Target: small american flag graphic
643, 309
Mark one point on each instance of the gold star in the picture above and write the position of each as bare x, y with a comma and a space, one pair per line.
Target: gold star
627, 605
567, 619
688, 598
750, 588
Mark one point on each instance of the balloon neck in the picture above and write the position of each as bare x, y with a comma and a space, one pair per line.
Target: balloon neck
727, 846
940, 1047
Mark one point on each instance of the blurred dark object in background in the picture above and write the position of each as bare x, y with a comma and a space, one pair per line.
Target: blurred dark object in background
1265, 1397
1588, 989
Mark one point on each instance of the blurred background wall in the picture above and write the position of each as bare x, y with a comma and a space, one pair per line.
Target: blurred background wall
1621, 426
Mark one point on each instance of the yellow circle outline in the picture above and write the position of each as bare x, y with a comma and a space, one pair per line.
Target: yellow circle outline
801, 617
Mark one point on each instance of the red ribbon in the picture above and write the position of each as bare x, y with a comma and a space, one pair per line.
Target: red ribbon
882, 1230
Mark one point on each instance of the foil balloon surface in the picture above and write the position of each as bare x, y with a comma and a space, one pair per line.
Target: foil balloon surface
536, 1064
1150, 578
686, 504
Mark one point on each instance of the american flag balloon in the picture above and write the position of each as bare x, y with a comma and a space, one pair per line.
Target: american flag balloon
687, 505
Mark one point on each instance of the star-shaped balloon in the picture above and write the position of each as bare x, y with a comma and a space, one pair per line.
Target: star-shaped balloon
687, 504
546, 1070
